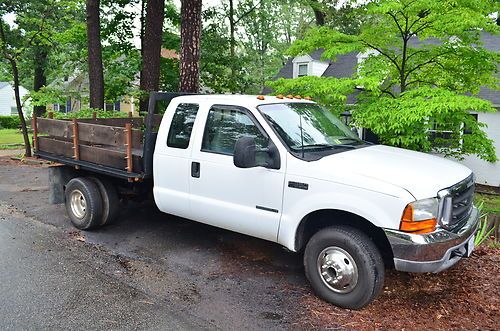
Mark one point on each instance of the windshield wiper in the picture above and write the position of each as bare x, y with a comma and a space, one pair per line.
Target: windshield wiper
327, 146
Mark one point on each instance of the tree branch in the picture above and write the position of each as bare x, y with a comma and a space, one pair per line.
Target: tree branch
248, 12
393, 60
431, 60
397, 23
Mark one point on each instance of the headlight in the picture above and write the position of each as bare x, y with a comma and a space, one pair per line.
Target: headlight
420, 216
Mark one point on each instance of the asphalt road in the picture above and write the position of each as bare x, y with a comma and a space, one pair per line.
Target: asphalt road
51, 282
148, 270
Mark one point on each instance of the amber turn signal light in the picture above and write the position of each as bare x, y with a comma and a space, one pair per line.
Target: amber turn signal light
418, 227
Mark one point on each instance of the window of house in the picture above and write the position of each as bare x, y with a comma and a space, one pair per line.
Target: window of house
60, 107
225, 126
302, 69
112, 106
182, 125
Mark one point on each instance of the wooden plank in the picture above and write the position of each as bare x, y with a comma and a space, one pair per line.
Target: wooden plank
98, 155
56, 147
136, 122
89, 133
107, 135
55, 128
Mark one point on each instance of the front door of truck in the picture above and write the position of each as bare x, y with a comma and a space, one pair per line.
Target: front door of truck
243, 200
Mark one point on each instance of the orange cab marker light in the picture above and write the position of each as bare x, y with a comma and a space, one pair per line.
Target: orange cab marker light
280, 96
298, 97
308, 98
289, 96
260, 97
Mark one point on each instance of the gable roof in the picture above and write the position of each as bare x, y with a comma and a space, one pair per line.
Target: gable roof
345, 65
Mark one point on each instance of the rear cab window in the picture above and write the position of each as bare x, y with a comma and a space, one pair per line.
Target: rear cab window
181, 126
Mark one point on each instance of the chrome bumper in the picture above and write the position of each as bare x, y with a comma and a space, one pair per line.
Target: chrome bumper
435, 251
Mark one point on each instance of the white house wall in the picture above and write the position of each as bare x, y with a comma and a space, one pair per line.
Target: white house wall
314, 68
7, 100
487, 173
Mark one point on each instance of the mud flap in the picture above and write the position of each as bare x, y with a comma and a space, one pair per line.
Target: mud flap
59, 176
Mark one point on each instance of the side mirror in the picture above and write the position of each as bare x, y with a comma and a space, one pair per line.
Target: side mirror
244, 153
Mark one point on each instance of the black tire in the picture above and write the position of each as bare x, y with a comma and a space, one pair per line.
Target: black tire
110, 200
349, 291
84, 215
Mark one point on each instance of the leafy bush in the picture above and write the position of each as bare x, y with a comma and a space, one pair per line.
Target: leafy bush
10, 122
87, 113
485, 229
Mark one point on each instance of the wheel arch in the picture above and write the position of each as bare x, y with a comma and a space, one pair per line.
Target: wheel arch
322, 218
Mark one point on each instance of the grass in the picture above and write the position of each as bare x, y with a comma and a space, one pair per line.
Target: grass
491, 202
11, 139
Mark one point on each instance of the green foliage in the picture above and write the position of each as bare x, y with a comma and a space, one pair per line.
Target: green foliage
490, 203
484, 230
46, 95
87, 113
422, 56
10, 122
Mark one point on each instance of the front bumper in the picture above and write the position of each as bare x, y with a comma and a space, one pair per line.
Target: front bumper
435, 251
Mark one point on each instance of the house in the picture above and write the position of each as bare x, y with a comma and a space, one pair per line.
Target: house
7, 99
76, 91
312, 65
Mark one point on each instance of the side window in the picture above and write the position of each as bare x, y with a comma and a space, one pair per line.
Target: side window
182, 125
225, 126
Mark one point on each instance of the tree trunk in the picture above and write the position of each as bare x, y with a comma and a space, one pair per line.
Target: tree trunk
40, 78
153, 32
96, 75
318, 14
15, 74
232, 42
190, 46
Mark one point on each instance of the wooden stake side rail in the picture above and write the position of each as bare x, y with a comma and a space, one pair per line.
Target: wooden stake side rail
88, 133
84, 142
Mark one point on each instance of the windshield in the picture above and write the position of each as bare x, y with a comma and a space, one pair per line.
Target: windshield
307, 126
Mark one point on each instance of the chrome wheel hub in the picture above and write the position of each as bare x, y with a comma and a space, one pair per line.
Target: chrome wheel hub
337, 269
78, 203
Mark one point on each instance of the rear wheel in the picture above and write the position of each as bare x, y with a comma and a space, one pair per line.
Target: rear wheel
110, 199
344, 267
83, 203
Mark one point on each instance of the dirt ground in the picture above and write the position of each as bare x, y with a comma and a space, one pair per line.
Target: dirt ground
233, 280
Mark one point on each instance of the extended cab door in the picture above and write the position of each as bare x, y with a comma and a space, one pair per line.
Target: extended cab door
171, 160
243, 200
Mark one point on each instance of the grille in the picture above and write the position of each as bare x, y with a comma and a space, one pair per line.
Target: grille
462, 196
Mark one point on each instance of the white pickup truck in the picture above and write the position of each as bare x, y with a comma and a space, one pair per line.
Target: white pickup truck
278, 168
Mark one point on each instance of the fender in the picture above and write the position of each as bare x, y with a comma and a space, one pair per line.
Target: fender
380, 209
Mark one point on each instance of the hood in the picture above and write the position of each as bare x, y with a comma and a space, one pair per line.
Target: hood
422, 175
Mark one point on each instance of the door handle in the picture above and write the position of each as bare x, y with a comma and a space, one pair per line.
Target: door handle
195, 169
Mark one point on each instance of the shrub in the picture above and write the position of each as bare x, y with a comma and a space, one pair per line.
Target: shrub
10, 122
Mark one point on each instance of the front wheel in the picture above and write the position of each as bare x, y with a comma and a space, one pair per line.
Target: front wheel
344, 267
